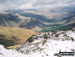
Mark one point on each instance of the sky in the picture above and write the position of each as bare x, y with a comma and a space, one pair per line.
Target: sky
34, 4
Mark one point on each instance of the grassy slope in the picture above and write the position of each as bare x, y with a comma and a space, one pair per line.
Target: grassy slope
13, 36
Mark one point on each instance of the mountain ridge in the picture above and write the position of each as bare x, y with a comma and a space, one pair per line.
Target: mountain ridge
32, 20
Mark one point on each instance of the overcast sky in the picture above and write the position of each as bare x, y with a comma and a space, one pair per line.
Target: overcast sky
34, 4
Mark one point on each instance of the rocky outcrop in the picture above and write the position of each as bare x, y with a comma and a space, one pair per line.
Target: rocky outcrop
46, 44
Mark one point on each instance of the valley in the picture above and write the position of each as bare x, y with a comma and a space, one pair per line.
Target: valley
41, 22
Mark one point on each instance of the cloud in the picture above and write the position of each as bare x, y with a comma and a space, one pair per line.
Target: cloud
38, 4
25, 6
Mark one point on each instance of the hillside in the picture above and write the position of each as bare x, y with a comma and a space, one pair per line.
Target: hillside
44, 45
38, 21
14, 36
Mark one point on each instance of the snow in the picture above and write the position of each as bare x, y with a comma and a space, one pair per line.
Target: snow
71, 34
37, 49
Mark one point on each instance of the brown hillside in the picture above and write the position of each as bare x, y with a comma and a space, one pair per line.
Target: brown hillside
14, 35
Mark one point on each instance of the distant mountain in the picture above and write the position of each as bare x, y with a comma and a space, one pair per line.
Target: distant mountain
38, 21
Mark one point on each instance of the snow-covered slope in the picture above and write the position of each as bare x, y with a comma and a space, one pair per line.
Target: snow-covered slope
9, 53
43, 45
